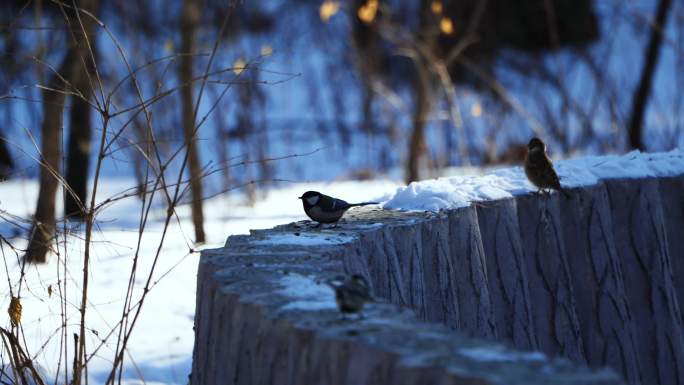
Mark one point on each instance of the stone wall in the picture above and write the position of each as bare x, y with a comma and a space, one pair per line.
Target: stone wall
593, 281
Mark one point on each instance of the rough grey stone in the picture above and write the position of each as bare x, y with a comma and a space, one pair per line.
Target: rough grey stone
594, 280
606, 327
672, 195
508, 284
246, 335
549, 279
641, 243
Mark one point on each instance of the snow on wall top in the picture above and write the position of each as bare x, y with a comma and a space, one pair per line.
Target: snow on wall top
459, 191
306, 293
305, 239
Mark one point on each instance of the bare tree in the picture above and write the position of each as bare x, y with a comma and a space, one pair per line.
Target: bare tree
6, 163
78, 150
61, 83
44, 218
643, 89
190, 16
422, 101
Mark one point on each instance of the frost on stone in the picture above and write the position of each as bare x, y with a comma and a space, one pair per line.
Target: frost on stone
498, 353
306, 293
303, 239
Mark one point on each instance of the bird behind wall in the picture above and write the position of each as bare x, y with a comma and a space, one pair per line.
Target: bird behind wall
326, 209
351, 294
539, 168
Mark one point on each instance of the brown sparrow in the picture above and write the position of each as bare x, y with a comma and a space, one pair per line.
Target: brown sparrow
351, 294
539, 168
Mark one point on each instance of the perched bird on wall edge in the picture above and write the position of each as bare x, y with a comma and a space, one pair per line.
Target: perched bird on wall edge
351, 294
539, 168
325, 209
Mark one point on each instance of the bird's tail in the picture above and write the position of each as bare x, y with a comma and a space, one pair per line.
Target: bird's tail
363, 204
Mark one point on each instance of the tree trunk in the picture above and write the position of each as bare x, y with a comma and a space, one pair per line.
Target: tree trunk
223, 146
421, 111
643, 90
43, 229
72, 69
143, 156
6, 164
78, 159
189, 21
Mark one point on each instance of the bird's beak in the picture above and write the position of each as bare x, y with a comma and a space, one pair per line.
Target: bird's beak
299, 197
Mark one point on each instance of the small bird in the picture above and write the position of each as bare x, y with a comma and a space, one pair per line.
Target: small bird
539, 168
351, 294
325, 209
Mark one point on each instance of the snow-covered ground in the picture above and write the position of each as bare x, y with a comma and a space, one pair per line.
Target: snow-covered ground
160, 350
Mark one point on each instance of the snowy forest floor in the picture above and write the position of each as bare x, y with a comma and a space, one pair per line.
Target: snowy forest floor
160, 350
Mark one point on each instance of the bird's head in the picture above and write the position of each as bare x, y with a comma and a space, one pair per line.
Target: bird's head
360, 280
311, 197
536, 144
362, 286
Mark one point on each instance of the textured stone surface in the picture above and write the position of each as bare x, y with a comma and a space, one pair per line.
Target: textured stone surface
245, 334
593, 280
507, 277
548, 276
605, 323
641, 243
672, 196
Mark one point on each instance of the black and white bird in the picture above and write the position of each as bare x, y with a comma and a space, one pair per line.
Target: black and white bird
325, 209
539, 168
351, 294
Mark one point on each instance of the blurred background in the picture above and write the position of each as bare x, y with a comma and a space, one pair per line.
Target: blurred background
255, 93
158, 106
